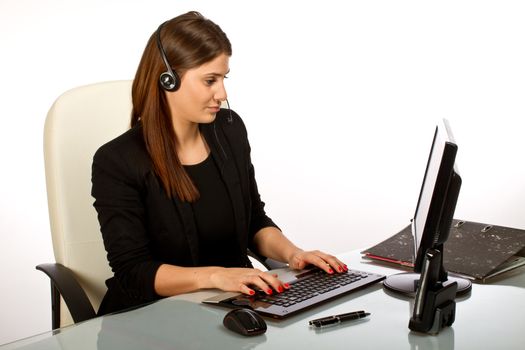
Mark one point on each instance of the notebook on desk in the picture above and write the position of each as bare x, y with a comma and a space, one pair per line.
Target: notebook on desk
473, 250
308, 288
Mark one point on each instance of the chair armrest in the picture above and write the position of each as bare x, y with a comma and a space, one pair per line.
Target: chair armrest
63, 283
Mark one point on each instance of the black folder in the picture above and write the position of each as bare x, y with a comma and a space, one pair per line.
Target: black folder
474, 250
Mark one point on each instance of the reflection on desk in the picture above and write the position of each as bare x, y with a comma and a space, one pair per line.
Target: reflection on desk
194, 324
182, 322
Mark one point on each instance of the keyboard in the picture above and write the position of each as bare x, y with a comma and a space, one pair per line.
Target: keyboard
307, 290
317, 283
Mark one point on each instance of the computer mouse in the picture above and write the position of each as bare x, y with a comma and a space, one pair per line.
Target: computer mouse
245, 322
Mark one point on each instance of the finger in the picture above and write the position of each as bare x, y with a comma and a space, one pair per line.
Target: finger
315, 259
274, 282
241, 275
328, 263
342, 267
332, 261
335, 263
270, 283
246, 290
257, 283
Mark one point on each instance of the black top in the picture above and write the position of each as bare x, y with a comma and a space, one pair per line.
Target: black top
143, 228
214, 219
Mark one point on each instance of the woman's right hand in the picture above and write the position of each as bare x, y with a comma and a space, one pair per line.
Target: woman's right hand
246, 280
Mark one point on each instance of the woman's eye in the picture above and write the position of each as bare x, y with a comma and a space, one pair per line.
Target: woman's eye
210, 81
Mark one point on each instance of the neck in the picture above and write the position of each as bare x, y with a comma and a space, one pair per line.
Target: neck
191, 147
186, 134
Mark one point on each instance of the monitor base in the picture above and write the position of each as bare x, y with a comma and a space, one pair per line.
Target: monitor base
406, 284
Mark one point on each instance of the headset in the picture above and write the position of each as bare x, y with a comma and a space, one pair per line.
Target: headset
169, 80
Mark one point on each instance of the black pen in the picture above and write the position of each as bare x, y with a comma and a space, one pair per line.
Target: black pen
336, 319
331, 317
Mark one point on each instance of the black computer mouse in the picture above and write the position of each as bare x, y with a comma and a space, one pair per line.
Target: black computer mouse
245, 322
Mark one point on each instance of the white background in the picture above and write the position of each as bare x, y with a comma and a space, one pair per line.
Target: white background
340, 99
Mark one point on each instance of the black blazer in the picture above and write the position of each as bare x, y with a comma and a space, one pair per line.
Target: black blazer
142, 228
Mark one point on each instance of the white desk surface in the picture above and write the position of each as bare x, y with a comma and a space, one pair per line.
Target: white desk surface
492, 317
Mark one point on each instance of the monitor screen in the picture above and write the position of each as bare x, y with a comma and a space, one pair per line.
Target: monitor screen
438, 195
434, 212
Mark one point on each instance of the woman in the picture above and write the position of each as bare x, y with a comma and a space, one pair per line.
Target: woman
176, 194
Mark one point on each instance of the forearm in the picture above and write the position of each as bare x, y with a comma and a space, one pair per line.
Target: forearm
172, 280
272, 243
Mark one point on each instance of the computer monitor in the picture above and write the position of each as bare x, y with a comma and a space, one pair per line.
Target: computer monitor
434, 212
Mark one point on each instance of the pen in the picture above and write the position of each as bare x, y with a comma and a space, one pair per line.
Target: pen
331, 317
336, 319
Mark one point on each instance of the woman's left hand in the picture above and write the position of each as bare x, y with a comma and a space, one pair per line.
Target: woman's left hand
329, 263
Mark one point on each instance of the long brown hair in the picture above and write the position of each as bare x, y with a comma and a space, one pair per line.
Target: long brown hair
189, 41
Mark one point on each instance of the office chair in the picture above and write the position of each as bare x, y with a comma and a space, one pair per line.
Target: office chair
78, 123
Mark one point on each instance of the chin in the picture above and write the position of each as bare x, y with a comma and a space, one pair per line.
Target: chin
209, 118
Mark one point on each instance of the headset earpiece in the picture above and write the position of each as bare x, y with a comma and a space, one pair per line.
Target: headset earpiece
169, 80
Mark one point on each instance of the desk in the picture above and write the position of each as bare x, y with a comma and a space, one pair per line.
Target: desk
491, 318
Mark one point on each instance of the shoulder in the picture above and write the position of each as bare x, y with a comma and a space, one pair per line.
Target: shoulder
127, 148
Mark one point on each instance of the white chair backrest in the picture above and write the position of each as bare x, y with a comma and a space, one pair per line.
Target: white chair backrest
78, 123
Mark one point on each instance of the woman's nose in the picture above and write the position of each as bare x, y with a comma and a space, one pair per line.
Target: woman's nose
220, 94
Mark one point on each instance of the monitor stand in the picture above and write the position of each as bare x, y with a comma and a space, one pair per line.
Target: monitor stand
406, 283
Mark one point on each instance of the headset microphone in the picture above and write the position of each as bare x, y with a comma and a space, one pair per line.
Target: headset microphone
169, 80
230, 117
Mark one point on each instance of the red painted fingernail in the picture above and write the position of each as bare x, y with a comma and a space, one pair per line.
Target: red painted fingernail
330, 271
251, 292
286, 285
269, 291
340, 269
280, 289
